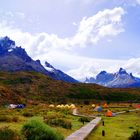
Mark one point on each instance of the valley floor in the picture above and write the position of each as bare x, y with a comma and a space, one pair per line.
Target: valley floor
117, 128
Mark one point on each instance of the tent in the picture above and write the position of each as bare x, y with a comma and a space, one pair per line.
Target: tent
98, 108
51, 106
105, 105
138, 106
12, 106
20, 106
113, 114
93, 105
58, 106
109, 113
72, 106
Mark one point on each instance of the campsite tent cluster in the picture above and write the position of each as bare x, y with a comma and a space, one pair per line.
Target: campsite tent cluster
97, 108
62, 106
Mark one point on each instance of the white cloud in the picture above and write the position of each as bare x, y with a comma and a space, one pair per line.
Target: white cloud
104, 24
56, 50
133, 65
20, 15
91, 67
85, 2
138, 1
74, 23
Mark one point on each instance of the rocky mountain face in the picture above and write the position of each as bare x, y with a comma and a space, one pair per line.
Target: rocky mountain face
13, 58
119, 79
58, 73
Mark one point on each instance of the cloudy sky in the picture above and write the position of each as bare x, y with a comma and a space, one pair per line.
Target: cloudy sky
80, 37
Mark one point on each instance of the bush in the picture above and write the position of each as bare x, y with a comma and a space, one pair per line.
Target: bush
5, 118
8, 134
35, 129
65, 111
15, 119
59, 122
84, 119
135, 136
131, 127
28, 114
53, 115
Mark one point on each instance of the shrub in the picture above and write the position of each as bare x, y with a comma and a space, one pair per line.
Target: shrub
135, 135
15, 119
59, 122
28, 114
53, 115
86, 102
8, 134
21, 80
65, 111
5, 118
131, 127
35, 129
84, 119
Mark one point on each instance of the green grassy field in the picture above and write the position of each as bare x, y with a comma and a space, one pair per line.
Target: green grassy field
14, 118
117, 128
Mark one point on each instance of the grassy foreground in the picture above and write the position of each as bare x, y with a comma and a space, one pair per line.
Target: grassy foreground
117, 128
16, 118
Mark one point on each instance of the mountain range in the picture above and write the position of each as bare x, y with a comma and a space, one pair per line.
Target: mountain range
120, 79
14, 58
24, 80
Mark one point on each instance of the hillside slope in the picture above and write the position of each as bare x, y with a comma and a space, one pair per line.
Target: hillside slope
23, 87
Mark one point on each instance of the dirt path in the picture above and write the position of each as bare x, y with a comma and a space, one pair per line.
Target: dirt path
84, 131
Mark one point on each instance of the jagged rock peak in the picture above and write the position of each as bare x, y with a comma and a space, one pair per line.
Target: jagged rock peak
48, 65
103, 72
122, 71
6, 42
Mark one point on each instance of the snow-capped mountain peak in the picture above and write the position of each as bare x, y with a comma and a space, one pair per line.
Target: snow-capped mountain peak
14, 58
118, 79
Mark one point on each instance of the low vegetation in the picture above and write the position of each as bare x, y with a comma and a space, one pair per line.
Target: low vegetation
33, 87
57, 118
119, 127
59, 122
107, 95
135, 135
8, 134
35, 129
84, 119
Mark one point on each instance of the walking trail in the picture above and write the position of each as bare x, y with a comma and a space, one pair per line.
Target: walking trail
84, 131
